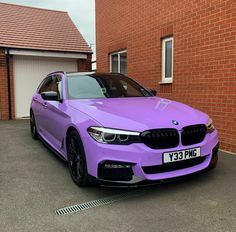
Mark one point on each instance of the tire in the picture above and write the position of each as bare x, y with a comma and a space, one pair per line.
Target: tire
213, 163
33, 128
77, 159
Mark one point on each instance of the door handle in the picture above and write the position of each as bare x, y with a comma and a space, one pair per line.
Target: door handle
45, 104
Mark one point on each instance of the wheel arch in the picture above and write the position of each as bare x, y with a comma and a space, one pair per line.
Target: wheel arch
85, 179
69, 129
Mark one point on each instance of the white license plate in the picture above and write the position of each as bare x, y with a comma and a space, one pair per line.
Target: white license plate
175, 156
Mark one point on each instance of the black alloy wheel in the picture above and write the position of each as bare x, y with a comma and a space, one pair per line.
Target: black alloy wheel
76, 159
33, 128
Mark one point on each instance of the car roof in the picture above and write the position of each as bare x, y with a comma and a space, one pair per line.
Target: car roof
79, 73
71, 74
93, 73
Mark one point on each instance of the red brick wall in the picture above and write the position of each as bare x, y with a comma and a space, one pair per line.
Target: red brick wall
204, 51
85, 65
4, 110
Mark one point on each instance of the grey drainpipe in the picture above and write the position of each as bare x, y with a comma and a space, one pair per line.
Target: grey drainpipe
9, 83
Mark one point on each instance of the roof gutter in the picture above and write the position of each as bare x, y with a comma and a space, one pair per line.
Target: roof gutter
24, 52
8, 82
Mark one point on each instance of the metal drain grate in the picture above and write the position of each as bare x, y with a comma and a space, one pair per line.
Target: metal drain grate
96, 203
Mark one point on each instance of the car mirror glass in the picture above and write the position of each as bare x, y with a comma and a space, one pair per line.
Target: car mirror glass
50, 96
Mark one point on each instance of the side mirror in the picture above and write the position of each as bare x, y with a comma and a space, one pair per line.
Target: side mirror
50, 96
154, 92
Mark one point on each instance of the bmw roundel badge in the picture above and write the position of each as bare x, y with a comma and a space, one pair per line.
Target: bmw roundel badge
175, 122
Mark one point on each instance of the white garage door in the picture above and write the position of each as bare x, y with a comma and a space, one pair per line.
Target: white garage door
29, 72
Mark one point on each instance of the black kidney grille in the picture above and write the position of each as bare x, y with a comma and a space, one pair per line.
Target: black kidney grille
161, 138
193, 134
168, 167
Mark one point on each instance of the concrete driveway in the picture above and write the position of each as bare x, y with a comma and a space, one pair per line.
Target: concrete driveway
34, 183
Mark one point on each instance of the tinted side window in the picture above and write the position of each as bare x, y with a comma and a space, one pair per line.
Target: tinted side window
46, 85
130, 90
57, 85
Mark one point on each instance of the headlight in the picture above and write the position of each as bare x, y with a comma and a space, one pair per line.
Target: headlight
113, 136
210, 126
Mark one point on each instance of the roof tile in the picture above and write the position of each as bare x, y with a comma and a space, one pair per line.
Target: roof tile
41, 29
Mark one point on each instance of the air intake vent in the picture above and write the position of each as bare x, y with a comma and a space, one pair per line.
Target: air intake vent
161, 138
193, 134
169, 167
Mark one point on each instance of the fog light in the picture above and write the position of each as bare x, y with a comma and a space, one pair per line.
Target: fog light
117, 166
115, 170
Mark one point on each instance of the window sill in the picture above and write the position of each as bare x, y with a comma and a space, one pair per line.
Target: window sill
165, 83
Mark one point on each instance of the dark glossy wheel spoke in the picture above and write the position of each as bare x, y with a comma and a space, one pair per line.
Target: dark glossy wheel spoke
32, 124
71, 149
75, 161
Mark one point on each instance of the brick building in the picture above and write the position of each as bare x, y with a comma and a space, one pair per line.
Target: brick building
186, 50
33, 43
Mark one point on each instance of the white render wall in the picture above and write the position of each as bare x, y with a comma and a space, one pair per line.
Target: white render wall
29, 72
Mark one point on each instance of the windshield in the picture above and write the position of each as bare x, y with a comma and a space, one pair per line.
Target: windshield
103, 86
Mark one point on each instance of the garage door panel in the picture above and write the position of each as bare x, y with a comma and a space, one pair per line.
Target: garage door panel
29, 72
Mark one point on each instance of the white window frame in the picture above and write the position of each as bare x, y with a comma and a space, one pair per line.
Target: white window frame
164, 78
117, 53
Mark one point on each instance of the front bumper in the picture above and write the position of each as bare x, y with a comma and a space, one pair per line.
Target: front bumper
137, 163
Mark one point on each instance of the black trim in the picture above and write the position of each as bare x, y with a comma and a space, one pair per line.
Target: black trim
146, 183
51, 148
8, 83
215, 150
161, 138
115, 174
193, 134
168, 167
43, 50
56, 72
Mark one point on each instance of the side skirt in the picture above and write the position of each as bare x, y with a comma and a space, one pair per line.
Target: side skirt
51, 148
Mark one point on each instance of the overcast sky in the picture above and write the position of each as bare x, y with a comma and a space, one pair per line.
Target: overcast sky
82, 13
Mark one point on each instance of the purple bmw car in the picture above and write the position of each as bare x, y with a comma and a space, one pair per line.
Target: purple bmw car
111, 129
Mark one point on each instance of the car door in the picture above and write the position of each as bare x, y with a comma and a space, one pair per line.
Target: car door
55, 114
38, 105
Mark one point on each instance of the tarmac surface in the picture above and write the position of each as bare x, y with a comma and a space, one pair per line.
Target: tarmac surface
34, 183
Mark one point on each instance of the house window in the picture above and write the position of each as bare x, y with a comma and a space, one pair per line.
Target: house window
167, 60
118, 62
